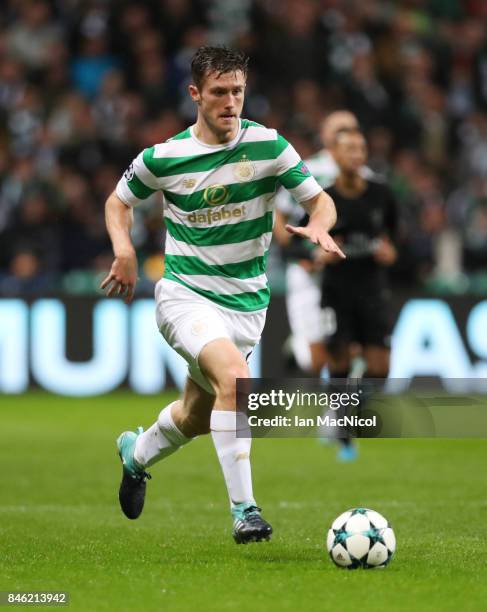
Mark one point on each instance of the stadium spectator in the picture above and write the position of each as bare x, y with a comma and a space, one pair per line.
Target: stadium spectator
32, 34
84, 86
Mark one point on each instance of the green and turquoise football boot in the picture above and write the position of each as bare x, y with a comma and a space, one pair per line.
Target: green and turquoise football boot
132, 488
248, 524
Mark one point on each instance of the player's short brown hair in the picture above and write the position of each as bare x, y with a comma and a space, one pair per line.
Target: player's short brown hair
208, 60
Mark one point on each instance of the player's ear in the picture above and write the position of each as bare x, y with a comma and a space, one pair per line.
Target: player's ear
194, 93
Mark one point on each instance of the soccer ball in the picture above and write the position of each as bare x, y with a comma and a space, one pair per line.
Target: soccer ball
361, 538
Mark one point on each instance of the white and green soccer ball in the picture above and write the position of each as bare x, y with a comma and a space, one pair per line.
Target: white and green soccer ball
361, 538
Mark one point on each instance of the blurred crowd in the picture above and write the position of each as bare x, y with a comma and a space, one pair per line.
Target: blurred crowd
85, 85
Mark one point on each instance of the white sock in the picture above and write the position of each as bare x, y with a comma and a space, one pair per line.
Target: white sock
233, 453
160, 440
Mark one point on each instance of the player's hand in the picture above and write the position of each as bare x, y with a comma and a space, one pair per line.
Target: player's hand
317, 236
384, 252
323, 258
122, 277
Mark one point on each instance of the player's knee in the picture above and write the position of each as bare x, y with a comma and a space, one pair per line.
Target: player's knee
227, 381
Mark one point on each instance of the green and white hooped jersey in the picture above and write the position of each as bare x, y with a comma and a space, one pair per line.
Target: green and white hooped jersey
218, 208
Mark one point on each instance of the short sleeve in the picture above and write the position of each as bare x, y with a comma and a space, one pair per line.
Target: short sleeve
293, 174
138, 182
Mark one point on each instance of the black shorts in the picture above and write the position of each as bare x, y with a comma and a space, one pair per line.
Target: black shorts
361, 315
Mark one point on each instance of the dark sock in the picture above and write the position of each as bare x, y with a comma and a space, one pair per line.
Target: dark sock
339, 374
346, 441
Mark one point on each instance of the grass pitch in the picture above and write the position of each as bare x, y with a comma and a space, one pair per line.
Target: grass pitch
61, 527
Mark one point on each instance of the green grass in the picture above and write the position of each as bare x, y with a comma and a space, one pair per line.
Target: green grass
61, 527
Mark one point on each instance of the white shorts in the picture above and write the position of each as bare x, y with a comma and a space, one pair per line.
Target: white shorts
303, 301
188, 322
304, 312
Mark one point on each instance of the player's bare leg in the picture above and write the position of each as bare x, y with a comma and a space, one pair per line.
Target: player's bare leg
222, 363
377, 359
192, 413
196, 413
319, 357
339, 364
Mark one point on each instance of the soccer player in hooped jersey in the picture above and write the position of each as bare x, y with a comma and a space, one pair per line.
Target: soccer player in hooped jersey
218, 179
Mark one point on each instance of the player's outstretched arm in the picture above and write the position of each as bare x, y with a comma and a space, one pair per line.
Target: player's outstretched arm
322, 217
123, 274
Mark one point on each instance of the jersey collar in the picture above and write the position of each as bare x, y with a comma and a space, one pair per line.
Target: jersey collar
226, 145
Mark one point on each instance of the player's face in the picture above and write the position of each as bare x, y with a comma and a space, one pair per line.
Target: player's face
350, 152
220, 100
337, 121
